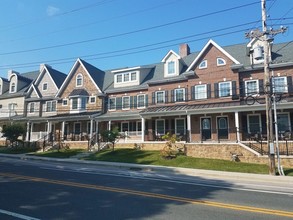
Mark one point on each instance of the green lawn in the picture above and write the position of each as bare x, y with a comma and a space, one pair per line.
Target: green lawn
154, 158
16, 150
64, 153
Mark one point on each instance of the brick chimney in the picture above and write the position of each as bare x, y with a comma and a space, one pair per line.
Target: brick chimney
184, 50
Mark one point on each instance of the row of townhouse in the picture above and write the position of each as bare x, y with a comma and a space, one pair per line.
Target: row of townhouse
200, 96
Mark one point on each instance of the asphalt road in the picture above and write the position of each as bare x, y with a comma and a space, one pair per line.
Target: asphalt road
57, 190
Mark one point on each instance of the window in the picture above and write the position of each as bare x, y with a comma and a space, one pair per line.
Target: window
179, 95
283, 122
32, 107
133, 76
12, 88
79, 80
180, 126
119, 78
83, 102
126, 77
280, 84
124, 126
221, 62
160, 97
251, 87
51, 106
222, 123
138, 128
74, 103
203, 64
200, 92
253, 124
141, 101
45, 86
65, 102
171, 67
112, 104
160, 127
93, 99
224, 89
125, 102
11, 108
77, 128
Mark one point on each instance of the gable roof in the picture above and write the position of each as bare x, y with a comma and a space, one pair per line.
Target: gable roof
33, 88
211, 42
96, 75
168, 54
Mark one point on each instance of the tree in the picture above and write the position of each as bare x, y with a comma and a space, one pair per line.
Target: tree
111, 136
12, 132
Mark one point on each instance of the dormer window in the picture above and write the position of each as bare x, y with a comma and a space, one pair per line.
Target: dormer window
12, 87
128, 77
79, 80
45, 86
221, 62
171, 67
203, 64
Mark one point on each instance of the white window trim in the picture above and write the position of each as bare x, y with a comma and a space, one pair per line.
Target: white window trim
205, 62
175, 95
124, 122
164, 94
123, 97
63, 102
259, 120
175, 67
285, 82
93, 101
77, 76
123, 75
221, 59
45, 83
177, 119
51, 106
10, 89
109, 104
79, 104
143, 101
257, 85
163, 124
289, 119
195, 92
30, 106
230, 82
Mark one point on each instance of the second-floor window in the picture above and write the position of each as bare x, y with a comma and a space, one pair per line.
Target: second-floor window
200, 92
225, 89
179, 95
141, 101
251, 87
79, 80
125, 102
112, 103
203, 64
51, 106
32, 107
78, 103
126, 77
280, 84
160, 97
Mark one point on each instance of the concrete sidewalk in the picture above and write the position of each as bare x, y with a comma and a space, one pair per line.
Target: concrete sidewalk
209, 174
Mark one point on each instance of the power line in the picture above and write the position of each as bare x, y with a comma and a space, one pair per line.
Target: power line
128, 33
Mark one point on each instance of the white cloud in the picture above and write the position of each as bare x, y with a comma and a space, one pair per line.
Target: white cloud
51, 10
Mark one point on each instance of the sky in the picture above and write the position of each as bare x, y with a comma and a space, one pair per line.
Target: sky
112, 34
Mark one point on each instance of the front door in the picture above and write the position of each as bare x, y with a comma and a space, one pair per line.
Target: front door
222, 127
206, 128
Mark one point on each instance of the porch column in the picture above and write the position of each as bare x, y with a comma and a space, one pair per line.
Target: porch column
62, 129
109, 125
97, 131
91, 128
48, 129
189, 128
142, 128
31, 131
27, 131
237, 126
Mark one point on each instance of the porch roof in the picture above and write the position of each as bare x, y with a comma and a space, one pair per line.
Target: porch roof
112, 116
74, 116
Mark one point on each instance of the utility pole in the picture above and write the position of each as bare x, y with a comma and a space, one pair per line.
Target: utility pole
264, 37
